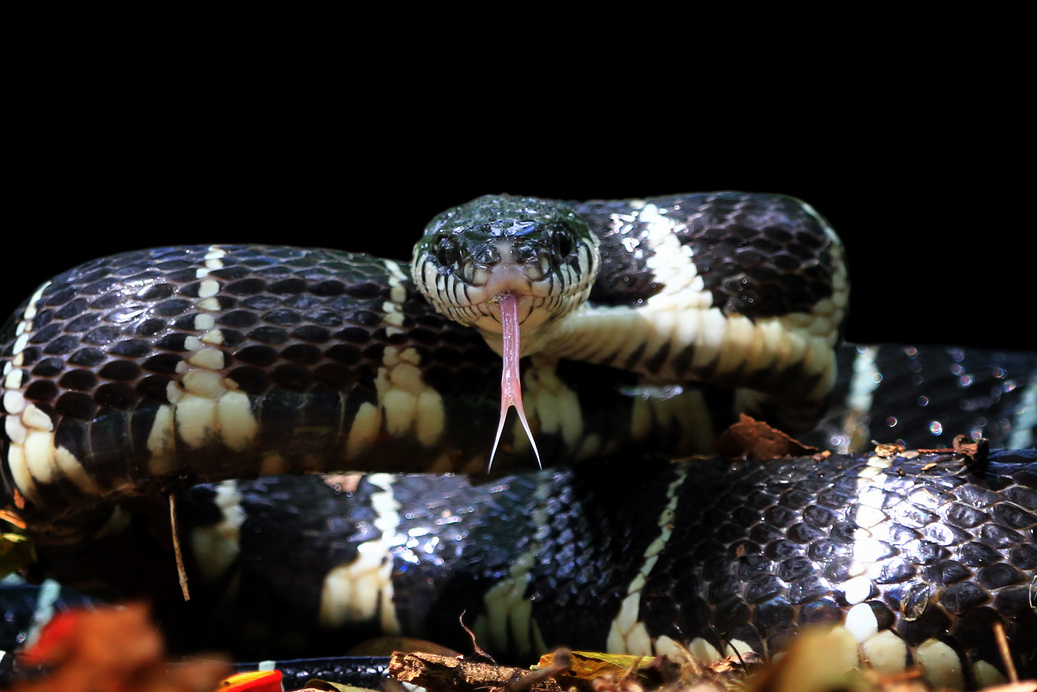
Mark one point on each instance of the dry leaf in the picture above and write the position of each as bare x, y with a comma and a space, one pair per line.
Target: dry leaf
113, 649
589, 664
753, 439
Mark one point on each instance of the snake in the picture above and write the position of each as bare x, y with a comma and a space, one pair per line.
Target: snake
628, 335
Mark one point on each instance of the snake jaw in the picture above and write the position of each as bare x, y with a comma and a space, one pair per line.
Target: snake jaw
511, 376
475, 304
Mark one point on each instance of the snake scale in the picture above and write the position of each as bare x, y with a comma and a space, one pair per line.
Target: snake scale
194, 369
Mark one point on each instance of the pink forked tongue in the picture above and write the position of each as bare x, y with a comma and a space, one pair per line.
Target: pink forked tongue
511, 381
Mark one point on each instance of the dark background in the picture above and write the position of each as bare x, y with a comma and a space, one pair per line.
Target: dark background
938, 250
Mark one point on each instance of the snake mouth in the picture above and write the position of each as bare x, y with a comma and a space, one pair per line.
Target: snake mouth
533, 302
538, 303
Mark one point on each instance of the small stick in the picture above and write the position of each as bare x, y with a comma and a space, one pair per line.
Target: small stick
181, 572
1006, 655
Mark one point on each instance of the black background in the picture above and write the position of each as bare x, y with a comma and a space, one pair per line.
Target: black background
932, 223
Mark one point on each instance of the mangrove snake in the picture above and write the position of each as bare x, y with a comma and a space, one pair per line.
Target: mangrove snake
645, 328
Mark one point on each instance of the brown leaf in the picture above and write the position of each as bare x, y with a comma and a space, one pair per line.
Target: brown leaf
753, 439
113, 649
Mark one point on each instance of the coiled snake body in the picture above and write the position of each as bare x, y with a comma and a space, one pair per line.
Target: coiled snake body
145, 373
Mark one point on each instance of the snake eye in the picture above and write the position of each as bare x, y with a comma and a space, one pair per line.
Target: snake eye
563, 243
446, 251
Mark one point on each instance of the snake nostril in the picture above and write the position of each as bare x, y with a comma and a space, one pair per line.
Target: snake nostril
486, 254
526, 255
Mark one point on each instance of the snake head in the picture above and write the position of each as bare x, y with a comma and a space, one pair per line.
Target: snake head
540, 252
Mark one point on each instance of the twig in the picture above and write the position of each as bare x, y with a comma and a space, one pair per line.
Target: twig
181, 572
441, 673
1006, 655
561, 661
475, 645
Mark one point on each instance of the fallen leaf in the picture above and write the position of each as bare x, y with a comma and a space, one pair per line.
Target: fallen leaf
753, 439
115, 649
587, 665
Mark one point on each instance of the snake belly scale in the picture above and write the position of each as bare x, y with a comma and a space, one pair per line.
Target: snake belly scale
148, 372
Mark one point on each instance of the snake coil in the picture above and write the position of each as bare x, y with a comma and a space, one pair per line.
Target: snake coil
193, 369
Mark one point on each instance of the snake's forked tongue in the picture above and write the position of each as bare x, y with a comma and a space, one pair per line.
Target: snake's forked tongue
511, 381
